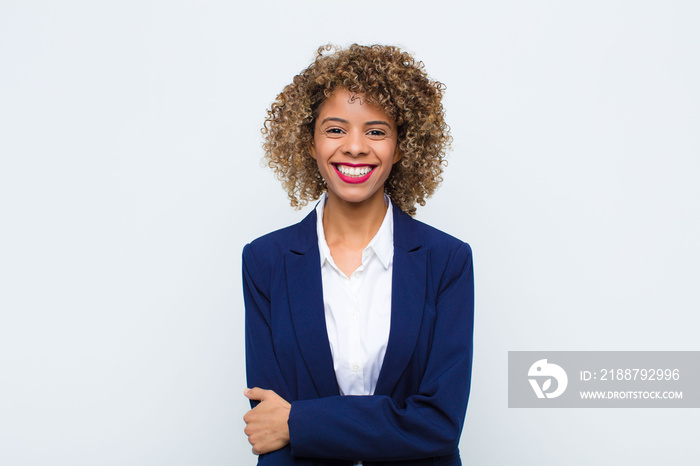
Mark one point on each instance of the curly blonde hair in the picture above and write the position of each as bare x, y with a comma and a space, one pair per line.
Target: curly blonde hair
384, 76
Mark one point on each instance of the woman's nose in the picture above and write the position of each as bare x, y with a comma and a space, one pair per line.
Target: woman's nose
355, 144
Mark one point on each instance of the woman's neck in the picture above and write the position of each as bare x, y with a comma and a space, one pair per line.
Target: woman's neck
352, 224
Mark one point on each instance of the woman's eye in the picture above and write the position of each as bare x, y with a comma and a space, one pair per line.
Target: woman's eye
376, 132
334, 131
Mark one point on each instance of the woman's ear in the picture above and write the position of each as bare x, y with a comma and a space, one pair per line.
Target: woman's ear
312, 150
398, 155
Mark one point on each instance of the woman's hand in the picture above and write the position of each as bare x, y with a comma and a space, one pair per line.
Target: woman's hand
267, 428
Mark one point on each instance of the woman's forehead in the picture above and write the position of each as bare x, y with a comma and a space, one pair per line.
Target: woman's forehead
351, 103
359, 96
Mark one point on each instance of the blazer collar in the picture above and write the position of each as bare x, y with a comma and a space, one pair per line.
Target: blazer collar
406, 234
305, 239
303, 272
407, 300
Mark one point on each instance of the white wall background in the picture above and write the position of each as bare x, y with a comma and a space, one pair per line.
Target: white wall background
130, 181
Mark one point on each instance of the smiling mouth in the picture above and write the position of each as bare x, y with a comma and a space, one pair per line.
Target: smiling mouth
354, 172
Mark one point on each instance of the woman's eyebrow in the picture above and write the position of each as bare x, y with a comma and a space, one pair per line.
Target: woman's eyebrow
339, 120
377, 122
367, 123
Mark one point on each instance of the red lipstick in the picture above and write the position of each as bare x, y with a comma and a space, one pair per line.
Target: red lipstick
354, 179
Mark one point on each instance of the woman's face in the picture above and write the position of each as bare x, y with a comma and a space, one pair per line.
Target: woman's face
355, 146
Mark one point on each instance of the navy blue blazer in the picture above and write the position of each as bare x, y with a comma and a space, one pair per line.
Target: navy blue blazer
416, 414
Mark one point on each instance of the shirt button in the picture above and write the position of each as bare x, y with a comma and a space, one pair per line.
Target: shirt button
355, 367
353, 316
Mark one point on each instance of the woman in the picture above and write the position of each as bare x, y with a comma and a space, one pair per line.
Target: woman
358, 319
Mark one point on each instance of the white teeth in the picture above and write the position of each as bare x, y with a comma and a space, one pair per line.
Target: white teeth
354, 171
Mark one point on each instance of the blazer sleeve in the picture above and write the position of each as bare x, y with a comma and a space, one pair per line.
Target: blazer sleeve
262, 367
429, 423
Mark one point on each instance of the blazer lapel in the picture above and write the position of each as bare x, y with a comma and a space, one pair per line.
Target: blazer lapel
407, 300
303, 272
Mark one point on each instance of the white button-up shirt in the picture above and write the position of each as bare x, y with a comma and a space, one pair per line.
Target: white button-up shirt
358, 308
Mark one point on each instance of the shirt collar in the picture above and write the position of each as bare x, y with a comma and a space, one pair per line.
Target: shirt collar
382, 245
